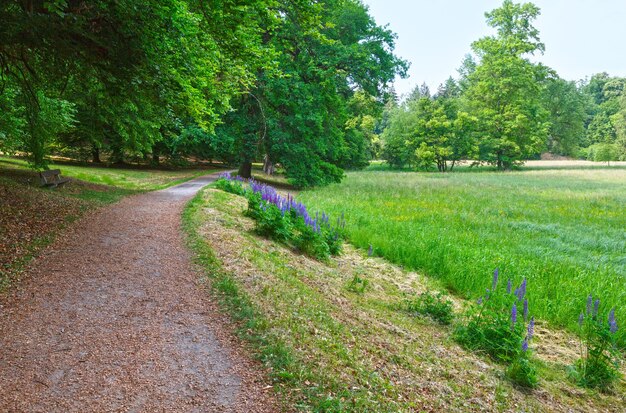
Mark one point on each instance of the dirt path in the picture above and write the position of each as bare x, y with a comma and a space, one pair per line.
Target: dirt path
113, 320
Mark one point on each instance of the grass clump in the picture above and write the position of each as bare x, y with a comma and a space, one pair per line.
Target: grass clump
435, 306
599, 362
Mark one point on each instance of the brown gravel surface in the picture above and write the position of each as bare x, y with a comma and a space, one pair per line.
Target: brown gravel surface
112, 318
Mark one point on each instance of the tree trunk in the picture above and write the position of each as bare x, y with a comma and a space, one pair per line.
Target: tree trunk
155, 158
268, 165
245, 170
95, 155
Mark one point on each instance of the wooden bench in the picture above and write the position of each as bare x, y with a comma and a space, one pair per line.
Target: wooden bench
52, 178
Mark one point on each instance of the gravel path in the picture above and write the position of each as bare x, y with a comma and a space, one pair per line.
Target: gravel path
112, 319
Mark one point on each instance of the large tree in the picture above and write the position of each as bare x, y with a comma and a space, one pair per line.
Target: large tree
504, 90
331, 54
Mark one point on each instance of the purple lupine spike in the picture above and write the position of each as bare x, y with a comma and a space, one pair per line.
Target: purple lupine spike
522, 290
494, 282
513, 315
612, 322
370, 251
508, 286
525, 311
581, 319
525, 345
531, 328
480, 301
589, 302
596, 307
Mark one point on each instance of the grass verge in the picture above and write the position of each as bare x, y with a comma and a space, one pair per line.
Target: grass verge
331, 348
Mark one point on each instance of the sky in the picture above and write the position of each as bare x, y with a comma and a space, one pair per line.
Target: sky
582, 37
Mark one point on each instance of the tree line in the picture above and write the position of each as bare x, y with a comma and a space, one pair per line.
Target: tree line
294, 82
504, 108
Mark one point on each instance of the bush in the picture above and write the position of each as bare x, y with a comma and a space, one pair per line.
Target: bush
435, 306
598, 366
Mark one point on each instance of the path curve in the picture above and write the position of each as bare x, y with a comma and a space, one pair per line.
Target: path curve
112, 319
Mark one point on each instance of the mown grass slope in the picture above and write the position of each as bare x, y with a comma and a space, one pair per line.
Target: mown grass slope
565, 230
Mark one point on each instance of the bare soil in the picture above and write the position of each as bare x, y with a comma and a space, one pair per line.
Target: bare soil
112, 318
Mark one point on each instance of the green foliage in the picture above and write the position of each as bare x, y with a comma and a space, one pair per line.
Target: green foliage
599, 363
358, 284
504, 89
490, 327
603, 152
231, 186
523, 373
567, 106
435, 306
428, 132
286, 226
455, 226
496, 326
312, 118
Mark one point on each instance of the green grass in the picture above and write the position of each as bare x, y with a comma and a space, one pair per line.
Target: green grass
123, 178
565, 230
330, 347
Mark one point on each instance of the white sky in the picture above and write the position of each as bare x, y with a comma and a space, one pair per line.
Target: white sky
582, 37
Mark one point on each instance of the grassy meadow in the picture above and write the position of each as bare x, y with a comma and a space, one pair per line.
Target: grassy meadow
563, 229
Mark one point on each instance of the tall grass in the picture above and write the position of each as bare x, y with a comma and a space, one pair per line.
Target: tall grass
565, 230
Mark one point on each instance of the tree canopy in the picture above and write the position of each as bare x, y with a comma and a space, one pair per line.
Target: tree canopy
228, 80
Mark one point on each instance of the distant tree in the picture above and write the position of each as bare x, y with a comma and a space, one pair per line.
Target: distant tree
567, 108
427, 133
504, 90
604, 152
619, 122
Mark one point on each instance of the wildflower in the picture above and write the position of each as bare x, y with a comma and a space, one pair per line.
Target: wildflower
525, 345
589, 301
531, 329
521, 291
596, 306
581, 318
525, 312
480, 301
495, 280
513, 315
508, 287
612, 322
370, 251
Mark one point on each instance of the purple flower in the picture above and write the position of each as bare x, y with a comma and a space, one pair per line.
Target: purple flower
513, 315
531, 329
370, 251
480, 301
495, 280
596, 306
521, 291
525, 312
525, 345
508, 287
612, 322
581, 318
589, 302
